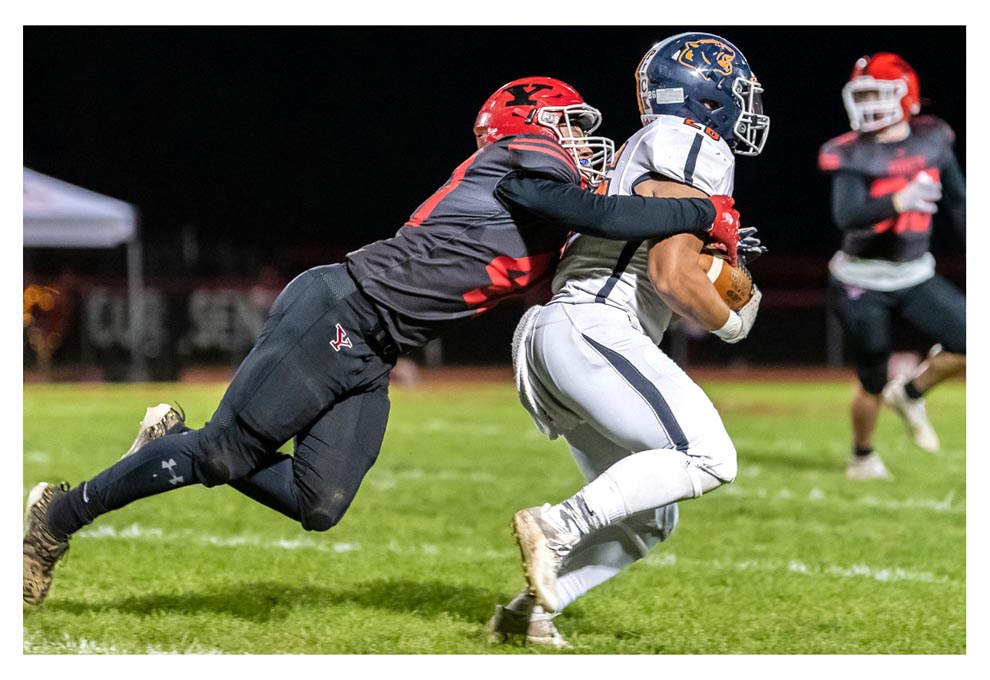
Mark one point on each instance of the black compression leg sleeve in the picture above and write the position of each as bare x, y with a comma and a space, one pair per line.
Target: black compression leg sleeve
158, 466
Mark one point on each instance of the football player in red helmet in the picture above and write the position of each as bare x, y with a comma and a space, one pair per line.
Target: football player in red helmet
882, 90
319, 373
889, 176
554, 109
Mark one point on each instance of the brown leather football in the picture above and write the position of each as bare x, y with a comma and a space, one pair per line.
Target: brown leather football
734, 284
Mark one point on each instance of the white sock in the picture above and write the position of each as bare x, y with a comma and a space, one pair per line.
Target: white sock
642, 481
574, 584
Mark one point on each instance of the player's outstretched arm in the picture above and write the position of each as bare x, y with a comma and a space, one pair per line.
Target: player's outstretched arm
620, 218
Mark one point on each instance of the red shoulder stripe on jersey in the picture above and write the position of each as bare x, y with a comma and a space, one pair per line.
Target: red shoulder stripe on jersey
828, 161
846, 138
428, 206
548, 148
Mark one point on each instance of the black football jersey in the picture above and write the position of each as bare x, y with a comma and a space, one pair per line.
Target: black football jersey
887, 168
462, 251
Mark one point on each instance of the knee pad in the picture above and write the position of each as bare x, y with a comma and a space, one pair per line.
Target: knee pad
317, 521
712, 462
323, 513
872, 372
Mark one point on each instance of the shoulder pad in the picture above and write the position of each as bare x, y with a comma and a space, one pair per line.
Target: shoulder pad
539, 153
934, 126
834, 153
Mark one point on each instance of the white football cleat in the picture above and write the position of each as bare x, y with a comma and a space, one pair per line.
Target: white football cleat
913, 413
543, 549
531, 625
867, 467
158, 420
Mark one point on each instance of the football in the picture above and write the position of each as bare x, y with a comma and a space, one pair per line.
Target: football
734, 284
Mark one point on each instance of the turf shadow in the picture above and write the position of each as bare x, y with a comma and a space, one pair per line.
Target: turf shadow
429, 599
258, 601
267, 601
821, 461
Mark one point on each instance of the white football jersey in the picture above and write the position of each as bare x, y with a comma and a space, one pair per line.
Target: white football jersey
615, 273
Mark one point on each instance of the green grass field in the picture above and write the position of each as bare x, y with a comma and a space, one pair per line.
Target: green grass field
790, 559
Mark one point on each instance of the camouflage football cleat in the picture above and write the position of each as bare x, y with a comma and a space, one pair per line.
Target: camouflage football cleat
542, 549
158, 420
42, 551
533, 626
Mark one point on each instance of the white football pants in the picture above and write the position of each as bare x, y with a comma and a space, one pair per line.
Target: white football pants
612, 393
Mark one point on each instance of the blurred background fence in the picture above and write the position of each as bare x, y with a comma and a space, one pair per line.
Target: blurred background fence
77, 318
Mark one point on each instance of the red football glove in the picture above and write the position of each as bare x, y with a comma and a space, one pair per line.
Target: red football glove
724, 231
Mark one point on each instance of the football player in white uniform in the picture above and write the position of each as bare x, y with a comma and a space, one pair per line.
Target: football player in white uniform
588, 365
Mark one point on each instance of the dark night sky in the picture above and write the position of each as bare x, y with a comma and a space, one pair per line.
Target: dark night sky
327, 138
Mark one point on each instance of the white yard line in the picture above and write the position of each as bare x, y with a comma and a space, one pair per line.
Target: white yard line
39, 645
948, 504
658, 558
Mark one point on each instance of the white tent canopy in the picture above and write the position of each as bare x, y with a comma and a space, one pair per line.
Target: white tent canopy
61, 215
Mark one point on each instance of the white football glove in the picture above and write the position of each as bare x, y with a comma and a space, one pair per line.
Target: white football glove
740, 323
919, 195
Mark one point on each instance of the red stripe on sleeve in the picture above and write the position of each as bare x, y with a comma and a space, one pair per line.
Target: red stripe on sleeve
431, 203
828, 161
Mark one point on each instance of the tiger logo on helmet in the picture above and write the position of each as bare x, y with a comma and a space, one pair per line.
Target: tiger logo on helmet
708, 55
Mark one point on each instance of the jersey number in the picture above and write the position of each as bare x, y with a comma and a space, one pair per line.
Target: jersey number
509, 275
698, 126
908, 221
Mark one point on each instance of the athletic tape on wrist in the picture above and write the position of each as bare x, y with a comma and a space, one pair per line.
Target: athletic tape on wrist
731, 328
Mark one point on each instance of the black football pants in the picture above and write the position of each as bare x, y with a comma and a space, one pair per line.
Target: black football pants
318, 374
935, 308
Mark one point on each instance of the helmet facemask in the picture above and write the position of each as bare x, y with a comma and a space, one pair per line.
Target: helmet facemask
873, 104
592, 155
752, 127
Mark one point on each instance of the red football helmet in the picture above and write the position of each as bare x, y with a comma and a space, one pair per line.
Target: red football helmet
882, 90
548, 107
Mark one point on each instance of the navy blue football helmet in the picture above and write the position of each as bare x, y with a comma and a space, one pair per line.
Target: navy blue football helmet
707, 79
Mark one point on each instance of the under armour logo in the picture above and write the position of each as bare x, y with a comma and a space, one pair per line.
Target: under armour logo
341, 341
176, 479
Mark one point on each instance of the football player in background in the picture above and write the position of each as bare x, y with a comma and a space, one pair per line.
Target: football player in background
319, 372
588, 365
888, 176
